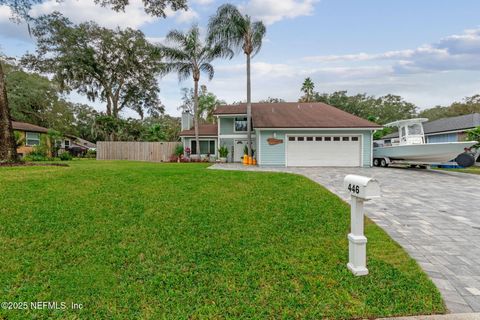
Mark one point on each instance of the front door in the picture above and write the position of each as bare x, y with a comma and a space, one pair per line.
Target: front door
238, 146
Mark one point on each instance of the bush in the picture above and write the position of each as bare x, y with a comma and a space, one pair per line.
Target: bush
179, 150
91, 154
39, 153
65, 156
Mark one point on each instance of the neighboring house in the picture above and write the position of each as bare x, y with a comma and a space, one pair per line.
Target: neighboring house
75, 145
443, 130
287, 134
31, 135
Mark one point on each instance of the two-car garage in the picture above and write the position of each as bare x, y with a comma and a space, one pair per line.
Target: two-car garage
323, 150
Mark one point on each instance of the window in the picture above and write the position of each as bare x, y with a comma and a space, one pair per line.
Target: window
241, 124
336, 138
300, 138
33, 138
345, 138
318, 138
309, 138
206, 147
328, 138
67, 144
291, 138
354, 138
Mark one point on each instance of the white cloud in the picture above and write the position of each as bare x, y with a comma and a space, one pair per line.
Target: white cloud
456, 52
9, 28
187, 16
86, 10
156, 40
271, 11
182, 16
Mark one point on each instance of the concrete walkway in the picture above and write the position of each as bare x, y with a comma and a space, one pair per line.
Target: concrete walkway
433, 215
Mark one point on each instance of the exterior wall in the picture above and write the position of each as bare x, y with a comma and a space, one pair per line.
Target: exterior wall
274, 155
226, 125
187, 142
227, 134
228, 142
24, 149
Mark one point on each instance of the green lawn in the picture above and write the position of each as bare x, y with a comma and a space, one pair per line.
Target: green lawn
473, 170
133, 240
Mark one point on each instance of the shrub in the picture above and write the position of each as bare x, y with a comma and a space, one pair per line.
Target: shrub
91, 154
39, 153
179, 150
65, 156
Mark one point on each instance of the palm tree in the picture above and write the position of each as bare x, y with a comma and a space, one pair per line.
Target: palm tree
190, 56
238, 32
307, 88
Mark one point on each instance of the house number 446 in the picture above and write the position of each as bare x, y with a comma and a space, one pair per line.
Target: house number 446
353, 188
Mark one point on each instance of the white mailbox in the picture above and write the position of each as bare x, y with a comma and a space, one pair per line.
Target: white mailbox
361, 189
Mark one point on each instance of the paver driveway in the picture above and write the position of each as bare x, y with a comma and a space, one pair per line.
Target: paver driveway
434, 215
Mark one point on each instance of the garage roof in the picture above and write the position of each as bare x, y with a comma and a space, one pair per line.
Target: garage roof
297, 115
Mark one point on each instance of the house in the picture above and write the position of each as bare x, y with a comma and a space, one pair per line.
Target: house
29, 136
443, 130
286, 134
75, 145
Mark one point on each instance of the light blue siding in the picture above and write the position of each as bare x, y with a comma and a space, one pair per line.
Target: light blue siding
449, 137
274, 155
187, 143
228, 142
226, 125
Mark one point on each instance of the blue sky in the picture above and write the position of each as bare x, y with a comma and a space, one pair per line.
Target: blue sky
427, 51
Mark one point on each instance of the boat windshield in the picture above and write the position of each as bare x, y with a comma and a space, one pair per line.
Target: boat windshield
415, 129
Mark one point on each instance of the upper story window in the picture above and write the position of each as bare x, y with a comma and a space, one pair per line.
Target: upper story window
67, 144
32, 138
240, 124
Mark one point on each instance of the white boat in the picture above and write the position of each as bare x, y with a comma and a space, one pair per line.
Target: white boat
412, 149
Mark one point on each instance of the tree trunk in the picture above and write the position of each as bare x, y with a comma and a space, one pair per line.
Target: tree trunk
249, 108
196, 116
8, 151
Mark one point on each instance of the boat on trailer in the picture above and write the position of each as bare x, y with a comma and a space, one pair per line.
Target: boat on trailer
411, 148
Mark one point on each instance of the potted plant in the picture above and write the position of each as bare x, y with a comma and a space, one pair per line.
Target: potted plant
223, 152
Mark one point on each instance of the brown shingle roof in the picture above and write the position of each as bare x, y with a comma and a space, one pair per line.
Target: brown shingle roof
205, 130
23, 126
231, 109
298, 115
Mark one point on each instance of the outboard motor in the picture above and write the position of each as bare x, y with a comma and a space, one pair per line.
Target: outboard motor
466, 159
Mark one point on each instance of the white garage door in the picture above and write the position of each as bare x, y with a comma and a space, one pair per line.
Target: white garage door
323, 151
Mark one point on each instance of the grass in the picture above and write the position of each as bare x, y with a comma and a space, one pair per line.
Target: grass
473, 170
150, 241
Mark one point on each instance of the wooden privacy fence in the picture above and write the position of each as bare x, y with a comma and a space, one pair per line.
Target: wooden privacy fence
141, 151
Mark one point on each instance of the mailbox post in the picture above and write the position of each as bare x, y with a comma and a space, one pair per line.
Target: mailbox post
361, 189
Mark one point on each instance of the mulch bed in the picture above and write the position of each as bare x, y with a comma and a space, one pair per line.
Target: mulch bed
32, 164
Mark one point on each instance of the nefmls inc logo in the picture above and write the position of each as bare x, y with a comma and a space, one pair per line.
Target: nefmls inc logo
51, 305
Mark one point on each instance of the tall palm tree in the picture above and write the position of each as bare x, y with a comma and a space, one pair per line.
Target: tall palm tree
307, 88
237, 31
189, 56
